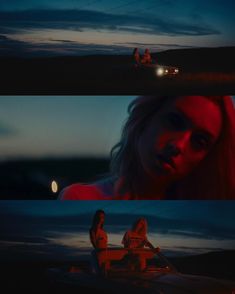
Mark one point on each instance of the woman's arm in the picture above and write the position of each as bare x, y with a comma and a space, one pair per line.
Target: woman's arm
150, 245
126, 240
93, 238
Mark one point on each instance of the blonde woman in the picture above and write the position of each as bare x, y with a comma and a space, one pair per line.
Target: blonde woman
137, 236
171, 147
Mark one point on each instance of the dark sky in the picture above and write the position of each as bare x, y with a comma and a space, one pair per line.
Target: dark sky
71, 27
59, 230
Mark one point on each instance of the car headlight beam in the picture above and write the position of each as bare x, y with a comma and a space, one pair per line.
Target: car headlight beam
160, 71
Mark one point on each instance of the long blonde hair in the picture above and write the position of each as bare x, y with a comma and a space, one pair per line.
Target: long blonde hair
214, 178
144, 229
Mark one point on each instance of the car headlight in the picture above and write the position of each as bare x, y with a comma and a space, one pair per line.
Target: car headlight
176, 70
160, 71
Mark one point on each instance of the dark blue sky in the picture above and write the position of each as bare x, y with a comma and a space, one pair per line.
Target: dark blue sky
71, 27
64, 126
59, 230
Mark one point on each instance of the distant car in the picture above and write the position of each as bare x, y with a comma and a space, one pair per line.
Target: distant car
160, 70
120, 271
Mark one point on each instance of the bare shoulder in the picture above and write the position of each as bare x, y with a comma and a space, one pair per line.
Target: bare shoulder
81, 192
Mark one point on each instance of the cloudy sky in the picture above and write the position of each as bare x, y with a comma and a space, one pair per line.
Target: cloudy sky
59, 230
78, 27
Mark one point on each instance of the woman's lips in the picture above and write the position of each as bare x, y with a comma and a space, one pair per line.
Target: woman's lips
165, 161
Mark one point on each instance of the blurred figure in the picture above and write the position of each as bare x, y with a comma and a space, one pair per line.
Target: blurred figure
171, 147
137, 236
147, 59
136, 57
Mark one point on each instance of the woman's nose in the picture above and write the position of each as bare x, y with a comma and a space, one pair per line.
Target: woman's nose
178, 144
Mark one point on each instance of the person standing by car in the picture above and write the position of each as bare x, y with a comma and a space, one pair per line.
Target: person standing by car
98, 236
136, 56
147, 59
99, 240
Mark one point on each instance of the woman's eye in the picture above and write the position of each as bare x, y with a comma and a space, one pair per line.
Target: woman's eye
176, 121
200, 141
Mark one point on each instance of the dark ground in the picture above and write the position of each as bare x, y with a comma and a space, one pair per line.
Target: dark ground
205, 70
30, 277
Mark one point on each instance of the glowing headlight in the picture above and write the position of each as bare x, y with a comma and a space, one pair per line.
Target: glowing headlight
160, 71
166, 70
54, 187
176, 70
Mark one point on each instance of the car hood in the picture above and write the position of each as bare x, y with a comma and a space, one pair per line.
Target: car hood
158, 66
177, 283
157, 283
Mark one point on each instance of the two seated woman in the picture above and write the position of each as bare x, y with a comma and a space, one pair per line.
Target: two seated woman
136, 238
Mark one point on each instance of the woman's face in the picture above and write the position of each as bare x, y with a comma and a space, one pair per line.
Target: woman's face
179, 136
101, 218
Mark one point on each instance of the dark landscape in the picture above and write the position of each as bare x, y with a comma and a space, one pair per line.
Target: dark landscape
207, 70
31, 277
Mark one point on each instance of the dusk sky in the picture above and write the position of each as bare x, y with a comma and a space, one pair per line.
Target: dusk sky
54, 126
59, 230
79, 27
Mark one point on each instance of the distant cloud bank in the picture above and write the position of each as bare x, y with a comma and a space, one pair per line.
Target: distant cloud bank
14, 23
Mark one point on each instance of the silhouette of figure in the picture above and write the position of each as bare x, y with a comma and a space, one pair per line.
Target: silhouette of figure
147, 57
136, 57
171, 147
137, 236
98, 236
